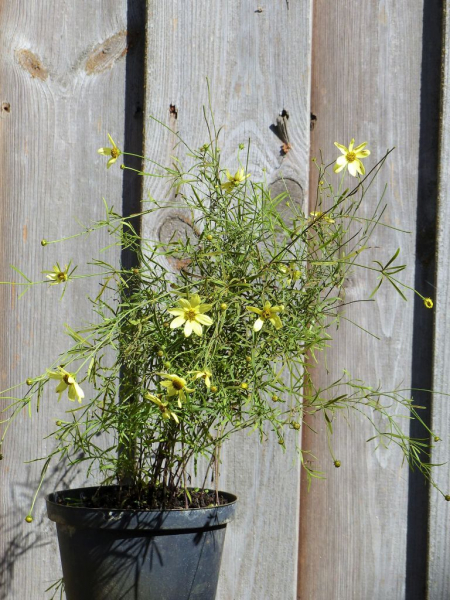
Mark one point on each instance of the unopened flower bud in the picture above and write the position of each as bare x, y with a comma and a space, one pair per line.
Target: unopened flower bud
213, 389
160, 353
209, 237
295, 425
223, 306
29, 381
447, 497
44, 242
29, 519
244, 385
248, 359
337, 464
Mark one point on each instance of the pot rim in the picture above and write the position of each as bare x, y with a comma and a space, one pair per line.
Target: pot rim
135, 519
51, 499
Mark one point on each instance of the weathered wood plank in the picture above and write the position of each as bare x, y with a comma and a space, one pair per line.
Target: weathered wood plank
257, 63
439, 526
366, 85
62, 73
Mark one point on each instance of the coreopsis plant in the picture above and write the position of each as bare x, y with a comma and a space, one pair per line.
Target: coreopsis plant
178, 361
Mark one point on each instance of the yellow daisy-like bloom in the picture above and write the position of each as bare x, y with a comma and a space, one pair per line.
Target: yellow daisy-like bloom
66, 381
58, 275
351, 157
320, 216
191, 314
205, 374
175, 386
234, 180
428, 302
291, 272
113, 152
267, 313
166, 413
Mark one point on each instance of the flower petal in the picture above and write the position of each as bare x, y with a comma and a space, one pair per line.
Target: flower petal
342, 148
184, 303
205, 308
196, 328
257, 311
352, 168
78, 391
276, 321
61, 387
104, 151
194, 300
360, 147
350, 146
341, 160
178, 322
338, 168
360, 167
188, 328
258, 324
53, 375
178, 312
204, 319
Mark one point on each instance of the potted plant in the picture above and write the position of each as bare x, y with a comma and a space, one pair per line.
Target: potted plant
176, 361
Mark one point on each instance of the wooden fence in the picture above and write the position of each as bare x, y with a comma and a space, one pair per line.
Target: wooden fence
373, 70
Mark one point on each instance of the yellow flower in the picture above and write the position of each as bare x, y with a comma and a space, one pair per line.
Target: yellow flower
291, 272
320, 216
351, 157
58, 275
113, 152
191, 315
166, 413
175, 386
66, 380
428, 302
234, 180
268, 312
205, 374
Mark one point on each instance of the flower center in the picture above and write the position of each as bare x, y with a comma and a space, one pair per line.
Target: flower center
266, 314
190, 314
68, 379
115, 152
350, 156
62, 276
178, 385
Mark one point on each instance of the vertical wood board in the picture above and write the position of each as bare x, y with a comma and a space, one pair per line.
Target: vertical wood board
439, 528
365, 84
61, 89
258, 63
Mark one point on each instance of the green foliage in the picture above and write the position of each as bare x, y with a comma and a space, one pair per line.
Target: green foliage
246, 250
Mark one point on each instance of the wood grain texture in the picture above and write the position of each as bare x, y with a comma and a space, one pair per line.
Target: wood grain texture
257, 64
366, 74
56, 109
439, 526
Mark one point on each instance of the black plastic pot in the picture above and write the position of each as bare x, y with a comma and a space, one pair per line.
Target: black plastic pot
139, 555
